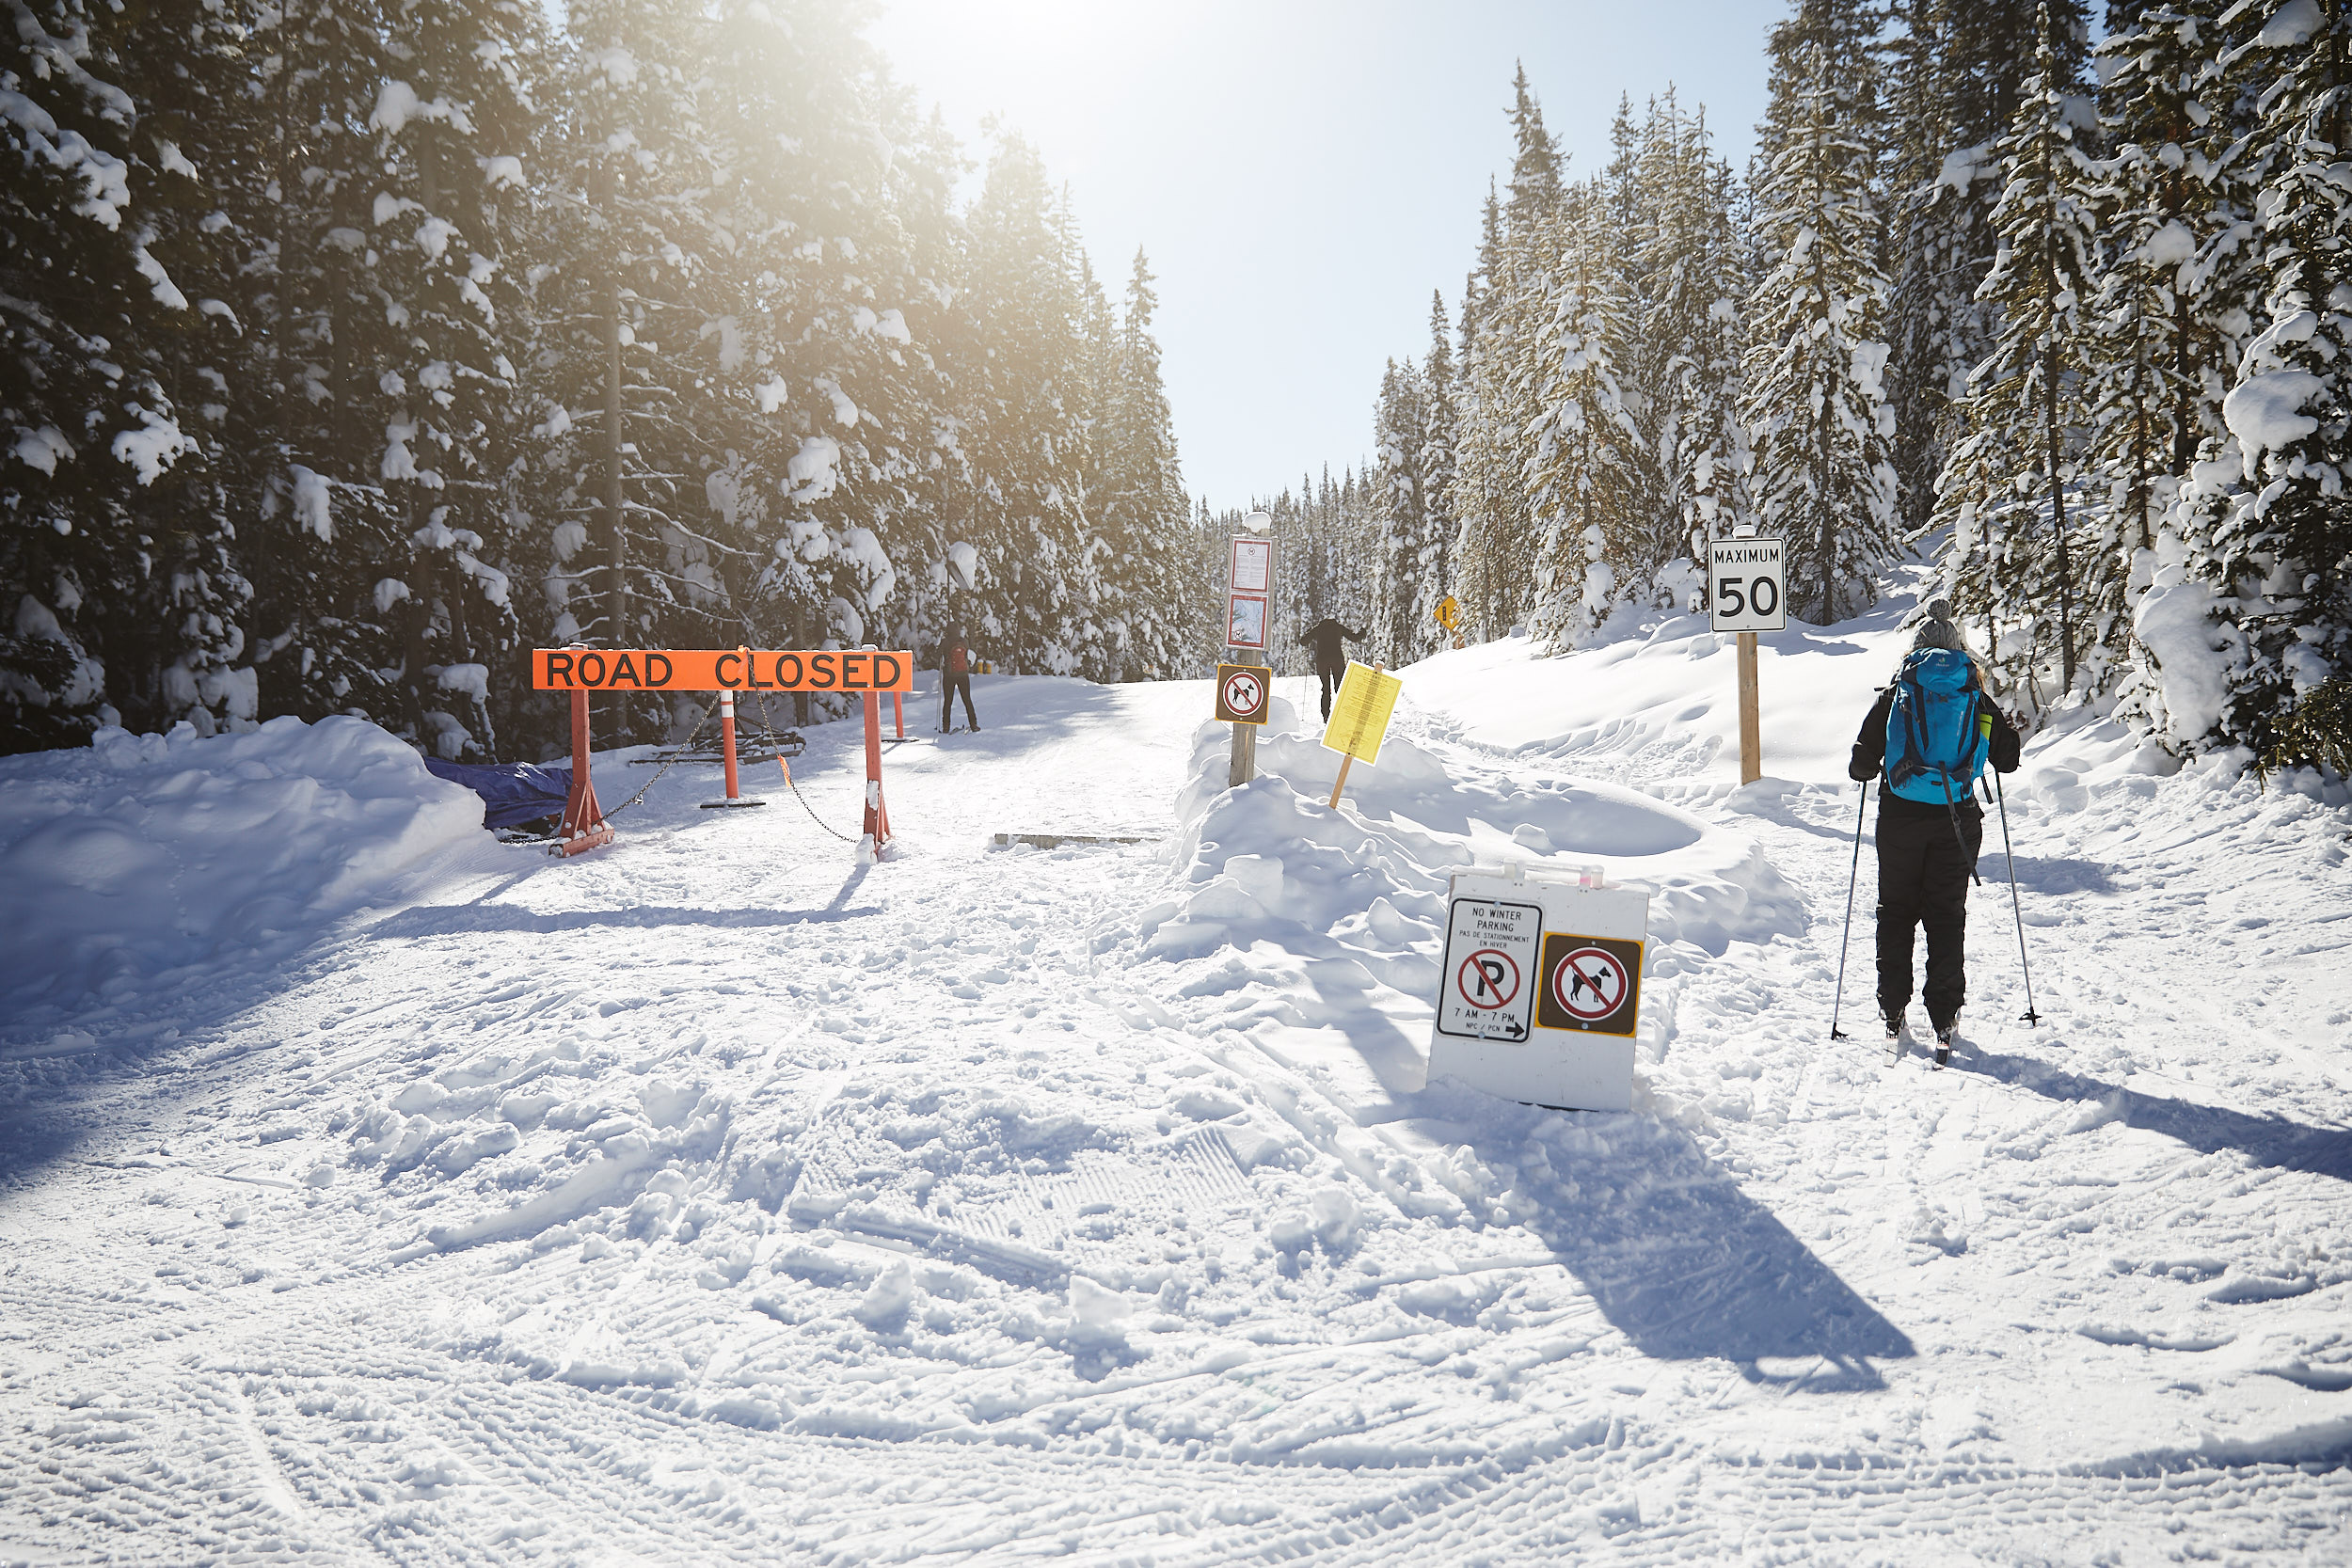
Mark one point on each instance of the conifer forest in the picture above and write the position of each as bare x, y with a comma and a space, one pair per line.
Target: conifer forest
354, 347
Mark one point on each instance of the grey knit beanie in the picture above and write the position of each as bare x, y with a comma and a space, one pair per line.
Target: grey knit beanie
1937, 630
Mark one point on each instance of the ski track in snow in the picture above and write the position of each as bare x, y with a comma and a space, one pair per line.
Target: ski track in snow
711, 1198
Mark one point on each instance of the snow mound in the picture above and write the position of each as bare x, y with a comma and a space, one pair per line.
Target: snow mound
145, 854
1272, 862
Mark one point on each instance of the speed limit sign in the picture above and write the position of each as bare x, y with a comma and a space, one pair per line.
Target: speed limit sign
1745, 590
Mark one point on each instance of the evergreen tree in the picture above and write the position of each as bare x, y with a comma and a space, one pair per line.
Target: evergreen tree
1441, 437
1020, 389
2270, 523
1140, 505
87, 411
1816, 398
1397, 432
2027, 399
1582, 475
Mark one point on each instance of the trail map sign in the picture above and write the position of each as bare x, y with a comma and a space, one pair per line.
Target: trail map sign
721, 669
1745, 590
1540, 990
1249, 592
1241, 693
1360, 712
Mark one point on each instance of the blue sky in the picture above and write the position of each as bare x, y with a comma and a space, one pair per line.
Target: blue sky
1303, 172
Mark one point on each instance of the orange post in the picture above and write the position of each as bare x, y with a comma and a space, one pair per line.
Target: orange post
727, 737
898, 712
876, 815
583, 826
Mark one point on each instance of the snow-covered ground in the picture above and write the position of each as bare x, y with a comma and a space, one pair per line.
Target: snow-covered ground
370, 1191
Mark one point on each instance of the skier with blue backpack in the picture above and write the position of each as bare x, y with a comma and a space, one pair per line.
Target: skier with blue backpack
1930, 734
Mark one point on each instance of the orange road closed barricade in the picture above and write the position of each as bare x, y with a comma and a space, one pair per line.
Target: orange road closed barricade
843, 670
865, 671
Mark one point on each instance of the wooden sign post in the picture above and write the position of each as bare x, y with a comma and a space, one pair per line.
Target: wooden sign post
1751, 714
1249, 626
1744, 596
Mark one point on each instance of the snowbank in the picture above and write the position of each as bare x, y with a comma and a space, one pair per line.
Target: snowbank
1272, 862
145, 854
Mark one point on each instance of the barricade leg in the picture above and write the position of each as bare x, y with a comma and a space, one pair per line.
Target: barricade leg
876, 815
899, 713
727, 737
726, 745
583, 826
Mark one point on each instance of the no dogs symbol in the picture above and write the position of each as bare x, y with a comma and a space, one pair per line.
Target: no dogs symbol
1590, 983
1488, 978
1241, 693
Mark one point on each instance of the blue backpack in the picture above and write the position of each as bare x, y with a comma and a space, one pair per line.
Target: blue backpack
1938, 730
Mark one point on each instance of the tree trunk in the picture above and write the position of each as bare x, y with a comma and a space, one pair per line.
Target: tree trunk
2058, 514
616, 488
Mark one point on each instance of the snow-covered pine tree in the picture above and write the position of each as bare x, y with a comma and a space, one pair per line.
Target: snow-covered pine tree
1582, 478
835, 402
1821, 474
1440, 440
2028, 400
1400, 421
1020, 389
2269, 524
640, 514
2155, 344
1138, 505
1956, 68
1690, 293
88, 413
1482, 481
1504, 387
454, 123
328, 542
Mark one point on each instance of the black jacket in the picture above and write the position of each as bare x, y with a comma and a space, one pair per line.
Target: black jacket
1323, 637
1870, 755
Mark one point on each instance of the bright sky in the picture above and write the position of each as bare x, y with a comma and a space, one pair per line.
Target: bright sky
1303, 172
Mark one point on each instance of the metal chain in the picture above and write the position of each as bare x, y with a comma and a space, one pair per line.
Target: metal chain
677, 757
789, 783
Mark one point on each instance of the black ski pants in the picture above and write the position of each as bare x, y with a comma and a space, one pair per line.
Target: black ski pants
1330, 679
1923, 880
951, 682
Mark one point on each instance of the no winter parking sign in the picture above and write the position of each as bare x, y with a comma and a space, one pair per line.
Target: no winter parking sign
1540, 990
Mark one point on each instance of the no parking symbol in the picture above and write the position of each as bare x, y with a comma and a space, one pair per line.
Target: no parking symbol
1490, 948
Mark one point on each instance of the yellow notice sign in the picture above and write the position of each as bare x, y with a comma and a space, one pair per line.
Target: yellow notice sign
1359, 714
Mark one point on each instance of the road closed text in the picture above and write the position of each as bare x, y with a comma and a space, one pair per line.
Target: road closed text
721, 669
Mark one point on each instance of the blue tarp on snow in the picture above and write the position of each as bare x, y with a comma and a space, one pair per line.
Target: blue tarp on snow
513, 793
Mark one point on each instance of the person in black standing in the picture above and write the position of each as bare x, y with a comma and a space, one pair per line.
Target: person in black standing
955, 675
1931, 828
1330, 657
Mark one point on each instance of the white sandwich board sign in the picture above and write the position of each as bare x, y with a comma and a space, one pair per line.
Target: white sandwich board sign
1746, 590
1540, 991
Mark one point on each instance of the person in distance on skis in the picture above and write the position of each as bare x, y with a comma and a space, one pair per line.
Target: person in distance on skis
1931, 732
1330, 657
955, 675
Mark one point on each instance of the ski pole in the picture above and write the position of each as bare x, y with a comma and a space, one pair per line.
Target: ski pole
2015, 908
1853, 875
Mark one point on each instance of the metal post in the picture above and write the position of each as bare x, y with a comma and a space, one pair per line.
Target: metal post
1853, 875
